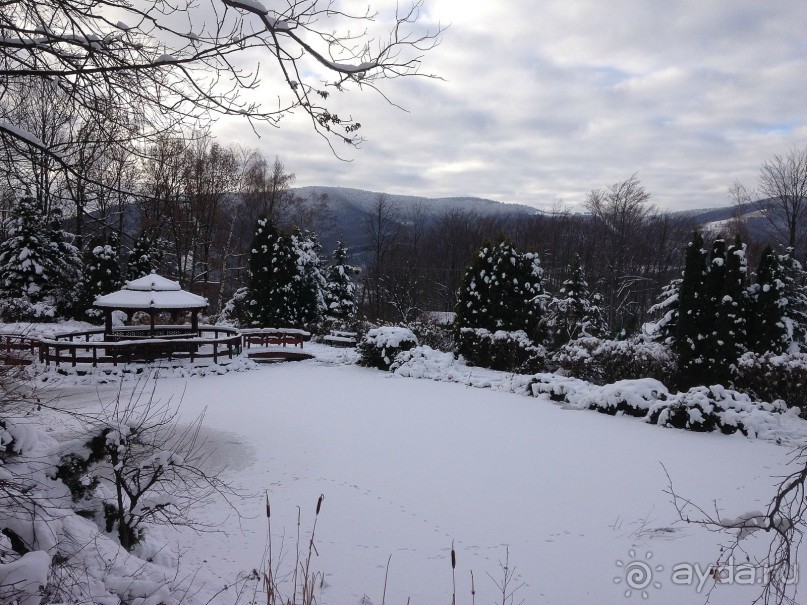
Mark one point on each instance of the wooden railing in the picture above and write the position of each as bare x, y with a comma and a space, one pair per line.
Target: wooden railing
88, 346
273, 336
17, 349
18, 342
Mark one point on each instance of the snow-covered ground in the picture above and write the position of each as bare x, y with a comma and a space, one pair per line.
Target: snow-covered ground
408, 467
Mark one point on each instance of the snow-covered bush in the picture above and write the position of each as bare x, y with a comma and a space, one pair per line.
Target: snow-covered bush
380, 346
771, 376
236, 311
432, 334
713, 408
501, 350
22, 309
629, 397
606, 361
556, 387
701, 409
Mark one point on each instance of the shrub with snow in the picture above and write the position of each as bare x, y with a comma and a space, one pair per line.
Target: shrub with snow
501, 350
630, 397
702, 409
713, 408
432, 334
557, 388
771, 376
236, 311
380, 346
606, 361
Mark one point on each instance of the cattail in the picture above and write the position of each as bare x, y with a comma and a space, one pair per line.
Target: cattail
268, 508
453, 558
319, 502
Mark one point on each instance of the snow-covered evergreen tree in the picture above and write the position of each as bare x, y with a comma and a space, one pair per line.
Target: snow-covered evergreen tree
694, 323
731, 308
795, 301
574, 313
272, 270
665, 329
39, 267
767, 331
309, 282
502, 290
101, 274
145, 256
778, 322
340, 291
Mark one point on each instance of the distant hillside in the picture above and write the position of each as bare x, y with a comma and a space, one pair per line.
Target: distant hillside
343, 197
349, 209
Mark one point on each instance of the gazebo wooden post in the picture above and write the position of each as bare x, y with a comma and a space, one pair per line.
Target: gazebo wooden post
107, 324
195, 320
151, 317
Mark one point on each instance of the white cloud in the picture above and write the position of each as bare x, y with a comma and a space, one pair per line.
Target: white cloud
544, 102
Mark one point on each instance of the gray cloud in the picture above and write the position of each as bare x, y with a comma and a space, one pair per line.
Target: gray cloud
544, 102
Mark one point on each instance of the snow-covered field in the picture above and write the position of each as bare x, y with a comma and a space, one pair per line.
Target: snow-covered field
408, 467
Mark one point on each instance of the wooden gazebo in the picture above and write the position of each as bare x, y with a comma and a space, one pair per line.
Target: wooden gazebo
151, 294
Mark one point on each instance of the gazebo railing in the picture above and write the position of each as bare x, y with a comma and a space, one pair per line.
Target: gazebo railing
88, 346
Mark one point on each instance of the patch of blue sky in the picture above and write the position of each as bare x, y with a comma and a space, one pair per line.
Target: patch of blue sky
777, 128
609, 77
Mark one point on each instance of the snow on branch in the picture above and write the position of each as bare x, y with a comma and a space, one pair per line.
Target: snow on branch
127, 62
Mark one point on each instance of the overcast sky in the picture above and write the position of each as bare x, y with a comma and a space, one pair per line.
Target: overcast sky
544, 101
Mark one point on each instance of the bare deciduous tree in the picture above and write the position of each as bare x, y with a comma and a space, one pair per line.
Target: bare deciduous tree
620, 213
382, 227
143, 68
781, 196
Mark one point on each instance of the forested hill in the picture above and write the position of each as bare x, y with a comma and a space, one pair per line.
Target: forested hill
344, 198
348, 211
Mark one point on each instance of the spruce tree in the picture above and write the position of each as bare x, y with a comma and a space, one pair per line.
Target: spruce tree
665, 329
693, 325
768, 332
712, 347
340, 291
502, 290
39, 267
145, 256
272, 270
101, 274
573, 313
794, 305
732, 308
309, 282
26, 262
778, 321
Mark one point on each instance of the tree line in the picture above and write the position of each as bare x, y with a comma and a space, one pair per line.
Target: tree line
187, 206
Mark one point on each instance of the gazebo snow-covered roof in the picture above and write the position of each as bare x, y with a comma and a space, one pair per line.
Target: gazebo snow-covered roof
152, 293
